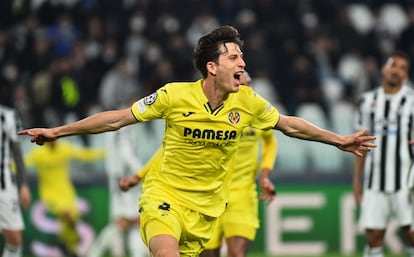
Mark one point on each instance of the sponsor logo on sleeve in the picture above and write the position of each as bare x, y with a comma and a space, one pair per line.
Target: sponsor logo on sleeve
141, 106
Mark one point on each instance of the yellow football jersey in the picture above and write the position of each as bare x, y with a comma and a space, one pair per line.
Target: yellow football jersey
247, 165
200, 143
52, 164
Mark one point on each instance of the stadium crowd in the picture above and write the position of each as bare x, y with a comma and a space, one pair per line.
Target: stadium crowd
62, 57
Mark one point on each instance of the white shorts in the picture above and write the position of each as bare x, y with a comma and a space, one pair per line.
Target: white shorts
125, 204
377, 208
10, 213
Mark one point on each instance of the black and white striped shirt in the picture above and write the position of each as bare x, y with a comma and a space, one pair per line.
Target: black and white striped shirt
10, 124
390, 119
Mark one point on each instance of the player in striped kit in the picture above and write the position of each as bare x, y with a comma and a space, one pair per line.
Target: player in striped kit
388, 113
121, 161
11, 220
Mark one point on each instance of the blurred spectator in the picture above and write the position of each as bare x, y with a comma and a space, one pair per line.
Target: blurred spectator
257, 54
59, 51
62, 35
117, 85
406, 39
66, 94
40, 91
39, 55
177, 52
202, 23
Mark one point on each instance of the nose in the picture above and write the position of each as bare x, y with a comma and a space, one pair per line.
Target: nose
242, 63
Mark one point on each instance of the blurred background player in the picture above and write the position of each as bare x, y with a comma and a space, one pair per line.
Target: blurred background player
240, 221
56, 190
388, 112
11, 220
124, 216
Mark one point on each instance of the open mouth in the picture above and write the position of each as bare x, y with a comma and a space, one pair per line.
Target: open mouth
237, 76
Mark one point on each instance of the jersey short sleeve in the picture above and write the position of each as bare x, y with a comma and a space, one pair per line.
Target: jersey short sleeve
265, 116
153, 106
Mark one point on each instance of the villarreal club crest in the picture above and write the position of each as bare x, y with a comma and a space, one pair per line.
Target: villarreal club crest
234, 117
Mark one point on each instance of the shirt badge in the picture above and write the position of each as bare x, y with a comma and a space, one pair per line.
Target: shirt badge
234, 117
150, 99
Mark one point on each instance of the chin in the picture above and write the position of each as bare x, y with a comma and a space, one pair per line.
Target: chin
236, 88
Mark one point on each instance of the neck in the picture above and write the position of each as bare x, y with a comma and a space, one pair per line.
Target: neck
390, 89
214, 94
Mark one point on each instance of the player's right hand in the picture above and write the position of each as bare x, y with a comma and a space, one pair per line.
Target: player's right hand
125, 183
39, 135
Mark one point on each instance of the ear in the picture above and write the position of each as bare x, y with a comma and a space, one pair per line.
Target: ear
211, 68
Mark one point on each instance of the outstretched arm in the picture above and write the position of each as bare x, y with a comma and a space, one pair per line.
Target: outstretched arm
357, 143
98, 123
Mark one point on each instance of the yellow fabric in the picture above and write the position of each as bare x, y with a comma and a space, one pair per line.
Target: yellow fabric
200, 143
52, 164
246, 165
164, 216
240, 218
155, 160
68, 234
241, 215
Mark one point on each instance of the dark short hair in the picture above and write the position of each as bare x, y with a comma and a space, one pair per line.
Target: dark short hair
402, 55
208, 46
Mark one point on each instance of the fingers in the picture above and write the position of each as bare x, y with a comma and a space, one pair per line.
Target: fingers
367, 138
35, 137
361, 132
39, 140
363, 149
30, 132
369, 145
124, 184
269, 194
268, 197
23, 132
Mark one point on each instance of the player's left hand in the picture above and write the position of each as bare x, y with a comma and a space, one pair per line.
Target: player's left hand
358, 143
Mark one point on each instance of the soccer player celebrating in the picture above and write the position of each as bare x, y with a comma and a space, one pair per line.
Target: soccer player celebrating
204, 120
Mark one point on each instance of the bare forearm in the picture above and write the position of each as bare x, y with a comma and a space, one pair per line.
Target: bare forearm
20, 168
98, 123
299, 128
358, 167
